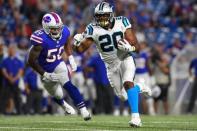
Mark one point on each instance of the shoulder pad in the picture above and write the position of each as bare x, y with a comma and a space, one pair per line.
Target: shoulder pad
66, 30
89, 29
125, 21
36, 37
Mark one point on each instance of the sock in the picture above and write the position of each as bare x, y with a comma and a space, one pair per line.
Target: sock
126, 104
133, 95
74, 94
59, 101
116, 101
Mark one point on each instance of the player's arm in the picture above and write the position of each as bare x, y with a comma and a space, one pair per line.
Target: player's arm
33, 57
131, 38
68, 51
129, 43
68, 47
80, 45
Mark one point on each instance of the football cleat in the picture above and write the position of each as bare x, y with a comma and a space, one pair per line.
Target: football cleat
144, 88
69, 109
85, 114
135, 122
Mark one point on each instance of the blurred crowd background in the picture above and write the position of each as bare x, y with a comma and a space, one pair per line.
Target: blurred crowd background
166, 31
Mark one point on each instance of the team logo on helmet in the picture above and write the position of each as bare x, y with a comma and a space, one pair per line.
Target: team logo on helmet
47, 19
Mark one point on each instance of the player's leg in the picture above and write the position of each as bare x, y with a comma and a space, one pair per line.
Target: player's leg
127, 74
56, 92
72, 90
149, 99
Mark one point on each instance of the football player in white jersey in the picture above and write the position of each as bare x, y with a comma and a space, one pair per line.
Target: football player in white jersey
115, 39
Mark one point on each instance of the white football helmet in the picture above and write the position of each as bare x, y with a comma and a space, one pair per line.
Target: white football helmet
52, 25
103, 14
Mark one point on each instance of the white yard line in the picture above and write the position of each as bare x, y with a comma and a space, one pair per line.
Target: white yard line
57, 129
33, 128
171, 122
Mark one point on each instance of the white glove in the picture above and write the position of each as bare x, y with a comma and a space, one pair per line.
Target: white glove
50, 76
72, 63
125, 46
77, 39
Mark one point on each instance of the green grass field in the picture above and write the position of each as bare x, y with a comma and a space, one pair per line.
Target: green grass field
98, 123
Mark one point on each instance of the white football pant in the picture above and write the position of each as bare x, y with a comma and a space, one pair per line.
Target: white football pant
125, 72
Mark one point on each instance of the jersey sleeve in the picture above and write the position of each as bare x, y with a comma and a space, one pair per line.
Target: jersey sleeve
89, 32
126, 24
36, 38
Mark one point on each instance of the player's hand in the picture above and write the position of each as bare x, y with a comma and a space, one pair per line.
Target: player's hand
50, 76
124, 45
72, 63
77, 39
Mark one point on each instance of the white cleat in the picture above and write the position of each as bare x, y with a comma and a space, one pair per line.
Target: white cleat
85, 114
144, 89
69, 109
135, 122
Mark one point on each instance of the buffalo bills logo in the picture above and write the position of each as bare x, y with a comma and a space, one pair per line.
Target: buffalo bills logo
47, 19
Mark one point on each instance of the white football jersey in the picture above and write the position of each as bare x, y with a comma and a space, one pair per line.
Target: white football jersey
106, 40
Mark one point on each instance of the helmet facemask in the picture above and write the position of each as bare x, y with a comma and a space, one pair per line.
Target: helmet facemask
55, 32
104, 19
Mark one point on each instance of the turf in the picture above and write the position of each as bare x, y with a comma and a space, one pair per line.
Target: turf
98, 123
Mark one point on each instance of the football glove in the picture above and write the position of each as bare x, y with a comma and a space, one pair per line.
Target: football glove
125, 46
72, 63
50, 76
77, 39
